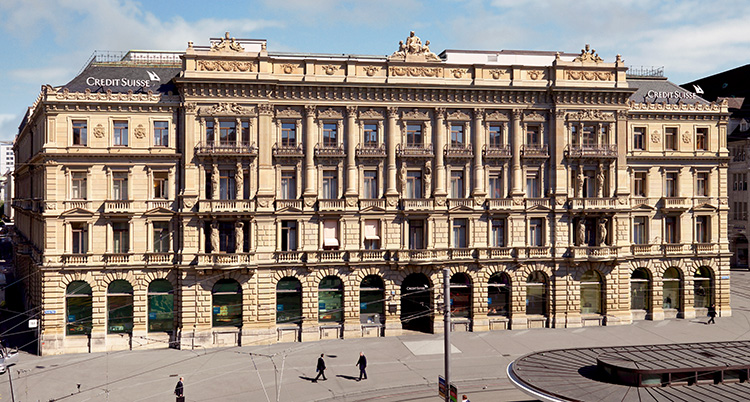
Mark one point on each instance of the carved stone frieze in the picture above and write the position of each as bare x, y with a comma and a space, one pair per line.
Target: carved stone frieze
458, 115
139, 132
413, 50
416, 71
190, 107
535, 74
415, 114
459, 72
370, 114
371, 70
497, 116
227, 44
591, 115
265, 109
288, 113
99, 131
225, 108
329, 69
499, 73
534, 116
330, 113
129, 96
590, 75
288, 68
225, 65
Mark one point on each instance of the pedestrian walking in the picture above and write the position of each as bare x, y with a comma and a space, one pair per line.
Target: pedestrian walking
179, 390
711, 314
362, 363
321, 369
465, 399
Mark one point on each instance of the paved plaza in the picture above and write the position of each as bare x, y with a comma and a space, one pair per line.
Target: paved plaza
404, 368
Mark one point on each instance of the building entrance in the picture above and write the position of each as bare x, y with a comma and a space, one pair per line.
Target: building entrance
416, 303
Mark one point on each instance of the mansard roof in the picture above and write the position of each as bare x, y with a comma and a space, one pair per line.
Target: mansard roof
659, 89
124, 77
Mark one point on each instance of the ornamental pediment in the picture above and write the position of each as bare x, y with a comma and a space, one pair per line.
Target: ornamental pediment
534, 116
372, 208
415, 114
538, 208
412, 50
497, 116
459, 115
76, 212
591, 115
288, 113
461, 208
370, 114
158, 211
226, 109
288, 209
330, 113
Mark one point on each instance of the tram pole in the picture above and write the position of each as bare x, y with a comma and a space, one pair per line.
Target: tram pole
447, 331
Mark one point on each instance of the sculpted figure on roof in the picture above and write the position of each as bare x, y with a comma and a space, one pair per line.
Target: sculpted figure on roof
227, 43
413, 50
588, 54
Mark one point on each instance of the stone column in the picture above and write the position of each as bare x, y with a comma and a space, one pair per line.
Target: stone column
516, 140
352, 138
215, 182
478, 141
439, 156
239, 237
266, 175
310, 140
391, 150
239, 181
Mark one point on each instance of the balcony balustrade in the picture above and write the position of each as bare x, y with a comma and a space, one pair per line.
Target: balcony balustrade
74, 259
594, 253
414, 151
295, 204
233, 148
331, 256
676, 203
372, 203
118, 206
461, 253
593, 203
533, 252
166, 204
534, 151
288, 151
638, 201
290, 256
373, 255
537, 202
496, 151
371, 151
417, 204
460, 202
499, 204
158, 258
459, 151
83, 204
331, 205
643, 249
705, 248
592, 151
329, 151
673, 248
225, 258
234, 206
116, 258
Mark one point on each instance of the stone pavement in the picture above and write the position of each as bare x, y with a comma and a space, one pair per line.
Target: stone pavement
399, 368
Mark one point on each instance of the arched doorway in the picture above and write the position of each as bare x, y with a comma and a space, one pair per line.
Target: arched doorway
460, 295
416, 303
119, 307
498, 295
160, 306
536, 294
702, 287
591, 293
640, 290
78, 309
672, 289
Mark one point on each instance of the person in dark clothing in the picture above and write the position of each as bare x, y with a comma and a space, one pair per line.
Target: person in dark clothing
321, 369
179, 390
362, 363
712, 314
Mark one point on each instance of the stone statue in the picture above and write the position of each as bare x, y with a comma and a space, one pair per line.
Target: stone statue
239, 237
215, 237
401, 52
581, 232
579, 183
402, 176
239, 181
602, 232
600, 182
413, 43
414, 47
427, 179
215, 183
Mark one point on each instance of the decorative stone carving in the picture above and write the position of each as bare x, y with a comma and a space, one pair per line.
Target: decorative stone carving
459, 72
655, 137
265, 109
590, 75
224, 108
459, 115
535, 74
588, 55
581, 229
214, 237
139, 132
591, 115
288, 113
402, 179
414, 50
225, 65
330, 113
370, 114
600, 181
497, 116
215, 182
288, 68
686, 137
602, 240
415, 114
99, 131
239, 180
533, 116
129, 96
239, 237
330, 69
498, 73
371, 70
351, 111
309, 201
190, 107
428, 179
227, 44
416, 71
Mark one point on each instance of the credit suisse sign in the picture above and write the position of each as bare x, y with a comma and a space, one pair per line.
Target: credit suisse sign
123, 81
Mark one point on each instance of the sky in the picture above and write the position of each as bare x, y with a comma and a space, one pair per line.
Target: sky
49, 41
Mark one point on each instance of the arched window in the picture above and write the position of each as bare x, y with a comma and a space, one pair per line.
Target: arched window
78, 308
536, 294
119, 307
498, 295
227, 303
289, 301
160, 306
371, 300
331, 300
703, 287
640, 290
591, 292
672, 289
460, 295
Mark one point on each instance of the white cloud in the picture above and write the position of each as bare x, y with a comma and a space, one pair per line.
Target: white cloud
9, 126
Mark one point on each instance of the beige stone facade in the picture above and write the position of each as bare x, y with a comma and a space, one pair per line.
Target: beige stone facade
303, 197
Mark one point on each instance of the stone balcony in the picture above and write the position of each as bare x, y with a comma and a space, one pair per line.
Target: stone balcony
537, 202
290, 257
116, 258
670, 249
72, 204
372, 255
230, 206
644, 249
639, 200
535, 151
495, 253
501, 151
594, 253
158, 258
593, 204
602, 151
372, 203
533, 252
294, 204
371, 151
226, 148
462, 151
676, 203
166, 204
499, 204
414, 151
118, 206
330, 256
225, 259
288, 151
329, 151
331, 205
460, 202
705, 249
75, 259
417, 204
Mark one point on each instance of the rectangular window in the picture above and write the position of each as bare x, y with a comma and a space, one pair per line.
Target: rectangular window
701, 229
670, 185
496, 136
639, 184
414, 184
532, 135
536, 232
209, 132
161, 133
670, 230
416, 234
79, 132
161, 190
330, 135
701, 138
496, 185
370, 184
639, 230
589, 136
701, 184
227, 133
288, 185
457, 135
533, 188
372, 234
330, 234
80, 237
78, 186
371, 135
161, 237
670, 138
119, 186
744, 210
226, 185
457, 184
288, 235
226, 237
744, 182
459, 233
498, 233
414, 135
120, 237
589, 184
330, 185
288, 134
120, 133
639, 138
245, 132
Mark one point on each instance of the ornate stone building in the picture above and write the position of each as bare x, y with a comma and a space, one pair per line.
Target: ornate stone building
229, 195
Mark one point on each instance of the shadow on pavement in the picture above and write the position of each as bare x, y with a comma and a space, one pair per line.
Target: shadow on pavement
348, 377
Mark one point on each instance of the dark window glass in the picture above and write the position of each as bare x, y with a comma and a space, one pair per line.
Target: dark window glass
289, 301
79, 132
161, 133
498, 295
331, 300
227, 304
78, 309
372, 300
160, 306
119, 307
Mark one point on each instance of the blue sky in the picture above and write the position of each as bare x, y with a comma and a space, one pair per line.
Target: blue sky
48, 41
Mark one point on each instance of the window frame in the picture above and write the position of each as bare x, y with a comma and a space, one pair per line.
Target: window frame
161, 134
81, 132
120, 133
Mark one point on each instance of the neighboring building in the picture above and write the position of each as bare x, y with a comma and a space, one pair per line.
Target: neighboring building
733, 86
7, 158
6, 181
255, 197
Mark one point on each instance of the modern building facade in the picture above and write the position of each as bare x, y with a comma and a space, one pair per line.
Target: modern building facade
229, 195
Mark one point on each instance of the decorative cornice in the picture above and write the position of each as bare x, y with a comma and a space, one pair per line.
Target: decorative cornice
226, 65
129, 96
713, 106
416, 71
589, 75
